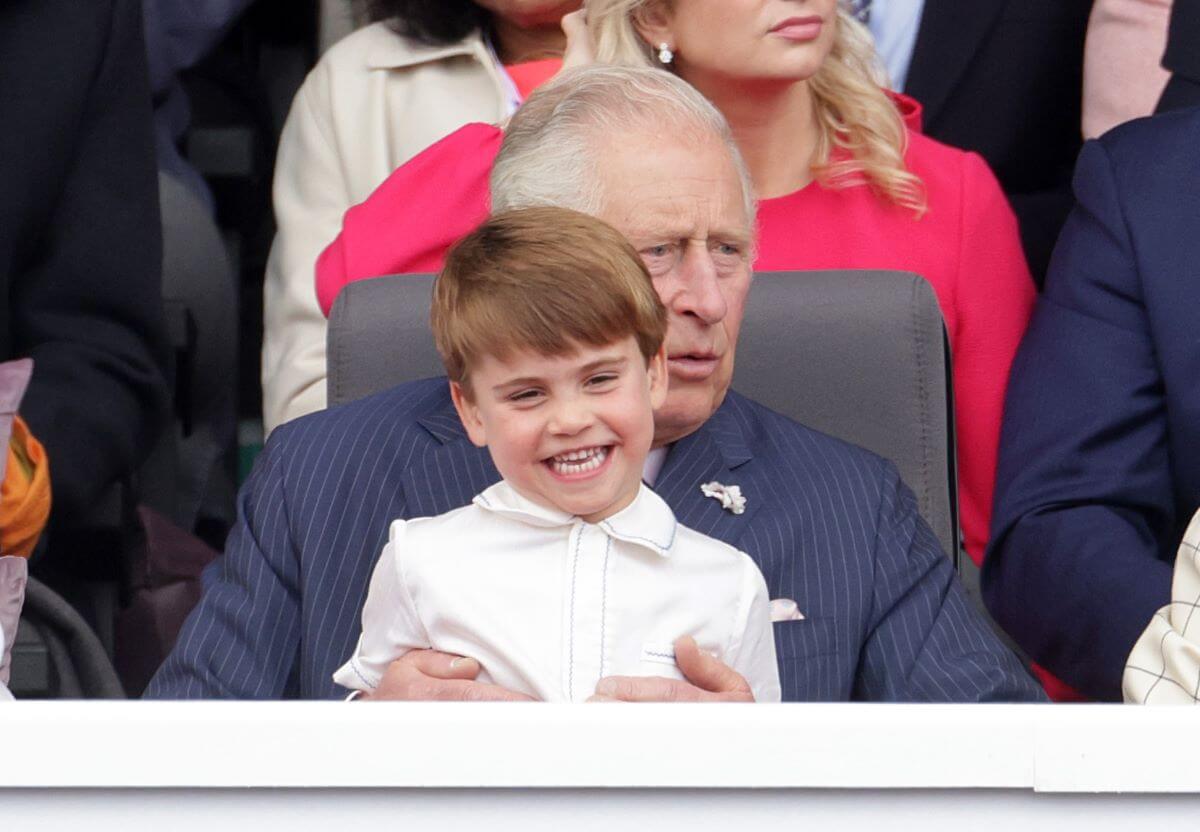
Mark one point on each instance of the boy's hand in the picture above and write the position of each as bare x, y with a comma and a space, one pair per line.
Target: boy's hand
708, 680
426, 675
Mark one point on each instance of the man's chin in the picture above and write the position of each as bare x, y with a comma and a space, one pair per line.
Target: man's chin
684, 412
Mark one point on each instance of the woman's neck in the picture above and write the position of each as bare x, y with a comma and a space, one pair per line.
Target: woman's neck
775, 127
516, 45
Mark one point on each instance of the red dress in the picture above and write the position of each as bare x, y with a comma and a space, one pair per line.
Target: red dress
966, 245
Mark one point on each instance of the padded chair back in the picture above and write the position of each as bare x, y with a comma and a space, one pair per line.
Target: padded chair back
56, 655
200, 294
860, 355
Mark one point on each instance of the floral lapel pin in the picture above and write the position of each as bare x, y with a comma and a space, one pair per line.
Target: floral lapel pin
729, 496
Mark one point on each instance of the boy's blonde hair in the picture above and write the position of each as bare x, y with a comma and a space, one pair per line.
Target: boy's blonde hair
546, 280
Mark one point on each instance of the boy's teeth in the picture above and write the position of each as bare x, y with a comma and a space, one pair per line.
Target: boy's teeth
578, 462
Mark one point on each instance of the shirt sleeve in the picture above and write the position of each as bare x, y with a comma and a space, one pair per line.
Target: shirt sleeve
752, 647
391, 625
1164, 665
994, 299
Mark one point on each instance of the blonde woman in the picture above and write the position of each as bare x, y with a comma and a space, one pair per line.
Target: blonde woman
845, 180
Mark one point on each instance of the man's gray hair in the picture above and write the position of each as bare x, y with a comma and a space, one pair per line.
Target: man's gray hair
551, 145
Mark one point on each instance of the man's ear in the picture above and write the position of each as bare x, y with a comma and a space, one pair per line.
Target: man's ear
653, 23
468, 413
658, 377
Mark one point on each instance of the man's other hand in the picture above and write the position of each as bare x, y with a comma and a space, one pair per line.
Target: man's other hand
426, 675
708, 680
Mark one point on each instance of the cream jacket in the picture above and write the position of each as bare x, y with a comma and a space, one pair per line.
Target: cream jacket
374, 101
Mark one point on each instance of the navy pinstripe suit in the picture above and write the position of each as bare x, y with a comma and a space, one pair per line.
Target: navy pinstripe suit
830, 525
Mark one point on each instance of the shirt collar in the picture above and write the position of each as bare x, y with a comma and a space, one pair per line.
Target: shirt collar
647, 522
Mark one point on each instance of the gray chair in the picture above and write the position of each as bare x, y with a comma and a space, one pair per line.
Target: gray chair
860, 355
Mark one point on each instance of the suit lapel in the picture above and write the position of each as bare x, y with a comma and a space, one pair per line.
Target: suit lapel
949, 36
717, 451
452, 473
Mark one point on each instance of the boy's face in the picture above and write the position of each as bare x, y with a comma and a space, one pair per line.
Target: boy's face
570, 431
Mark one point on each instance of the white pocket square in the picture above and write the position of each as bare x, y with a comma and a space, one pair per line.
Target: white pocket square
785, 609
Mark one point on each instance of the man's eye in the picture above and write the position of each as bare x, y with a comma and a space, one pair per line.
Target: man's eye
729, 250
659, 251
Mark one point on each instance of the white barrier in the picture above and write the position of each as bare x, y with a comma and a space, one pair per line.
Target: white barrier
963, 767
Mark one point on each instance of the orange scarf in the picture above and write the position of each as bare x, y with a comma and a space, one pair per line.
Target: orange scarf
24, 493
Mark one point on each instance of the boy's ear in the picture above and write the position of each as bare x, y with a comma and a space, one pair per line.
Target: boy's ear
653, 22
468, 413
658, 377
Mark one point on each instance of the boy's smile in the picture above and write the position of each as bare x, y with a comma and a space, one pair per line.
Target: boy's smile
569, 432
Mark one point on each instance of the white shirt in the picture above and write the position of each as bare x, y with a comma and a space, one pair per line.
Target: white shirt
894, 25
549, 604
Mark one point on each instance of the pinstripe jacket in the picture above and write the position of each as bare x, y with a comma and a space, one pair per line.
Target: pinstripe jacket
830, 525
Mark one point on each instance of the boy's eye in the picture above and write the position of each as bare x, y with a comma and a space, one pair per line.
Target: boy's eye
601, 379
524, 396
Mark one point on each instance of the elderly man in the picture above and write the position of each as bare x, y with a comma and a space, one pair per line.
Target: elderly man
831, 526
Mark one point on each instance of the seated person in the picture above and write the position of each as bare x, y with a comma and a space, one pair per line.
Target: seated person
830, 525
1164, 666
420, 70
80, 251
569, 569
1100, 459
844, 176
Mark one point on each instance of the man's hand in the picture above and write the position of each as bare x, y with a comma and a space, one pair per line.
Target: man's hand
426, 675
710, 681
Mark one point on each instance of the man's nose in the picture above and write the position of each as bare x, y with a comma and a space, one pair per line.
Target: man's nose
699, 292
570, 416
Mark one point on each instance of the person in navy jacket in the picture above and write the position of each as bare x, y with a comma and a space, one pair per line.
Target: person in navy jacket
1100, 451
831, 526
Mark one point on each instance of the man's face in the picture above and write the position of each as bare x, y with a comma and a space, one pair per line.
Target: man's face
680, 204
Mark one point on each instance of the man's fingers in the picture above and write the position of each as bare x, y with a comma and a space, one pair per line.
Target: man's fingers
647, 689
708, 673
465, 691
440, 665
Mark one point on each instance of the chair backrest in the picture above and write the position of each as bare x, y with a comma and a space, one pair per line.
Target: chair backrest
860, 355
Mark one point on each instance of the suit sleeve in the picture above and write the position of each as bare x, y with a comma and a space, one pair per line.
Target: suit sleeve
89, 311
994, 298
242, 640
391, 625
1084, 489
925, 642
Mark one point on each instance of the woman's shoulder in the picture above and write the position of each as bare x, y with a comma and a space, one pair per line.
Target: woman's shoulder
945, 169
379, 46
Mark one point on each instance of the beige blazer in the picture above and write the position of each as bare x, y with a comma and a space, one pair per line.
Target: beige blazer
373, 101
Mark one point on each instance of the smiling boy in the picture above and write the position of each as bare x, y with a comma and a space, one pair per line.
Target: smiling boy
569, 569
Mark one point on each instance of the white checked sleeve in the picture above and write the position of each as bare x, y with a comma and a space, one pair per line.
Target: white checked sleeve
391, 625
1164, 665
752, 646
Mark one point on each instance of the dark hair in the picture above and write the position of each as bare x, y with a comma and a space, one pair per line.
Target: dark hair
435, 22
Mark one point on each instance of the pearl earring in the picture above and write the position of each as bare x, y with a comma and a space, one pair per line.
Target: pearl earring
665, 55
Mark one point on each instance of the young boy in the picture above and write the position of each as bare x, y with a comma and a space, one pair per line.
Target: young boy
569, 569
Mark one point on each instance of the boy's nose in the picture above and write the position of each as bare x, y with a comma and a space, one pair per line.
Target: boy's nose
570, 417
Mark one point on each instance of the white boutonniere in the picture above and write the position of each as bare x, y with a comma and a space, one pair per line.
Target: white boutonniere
730, 496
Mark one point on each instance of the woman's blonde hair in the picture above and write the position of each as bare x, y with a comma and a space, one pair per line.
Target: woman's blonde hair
853, 112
